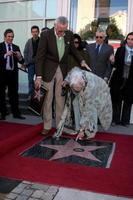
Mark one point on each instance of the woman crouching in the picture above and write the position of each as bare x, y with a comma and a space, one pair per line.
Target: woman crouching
87, 101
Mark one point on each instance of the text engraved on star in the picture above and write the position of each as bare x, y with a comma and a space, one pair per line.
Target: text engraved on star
73, 148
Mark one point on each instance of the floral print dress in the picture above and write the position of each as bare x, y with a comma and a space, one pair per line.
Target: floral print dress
94, 102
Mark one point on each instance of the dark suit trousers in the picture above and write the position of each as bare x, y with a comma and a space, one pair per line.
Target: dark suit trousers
2, 97
10, 82
126, 111
121, 112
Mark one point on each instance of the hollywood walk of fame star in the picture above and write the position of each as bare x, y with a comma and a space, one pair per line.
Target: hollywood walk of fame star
73, 148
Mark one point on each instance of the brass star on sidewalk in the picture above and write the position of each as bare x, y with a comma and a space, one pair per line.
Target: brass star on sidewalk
73, 148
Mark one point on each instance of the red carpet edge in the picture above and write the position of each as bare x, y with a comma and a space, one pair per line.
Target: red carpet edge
9, 144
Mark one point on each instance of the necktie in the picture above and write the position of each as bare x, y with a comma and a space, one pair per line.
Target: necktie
97, 49
10, 57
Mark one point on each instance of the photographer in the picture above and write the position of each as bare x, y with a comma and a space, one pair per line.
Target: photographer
10, 56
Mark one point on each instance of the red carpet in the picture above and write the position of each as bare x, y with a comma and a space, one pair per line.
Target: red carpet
8, 129
116, 180
13, 135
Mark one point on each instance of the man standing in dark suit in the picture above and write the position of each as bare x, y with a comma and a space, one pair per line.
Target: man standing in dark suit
51, 67
101, 56
10, 55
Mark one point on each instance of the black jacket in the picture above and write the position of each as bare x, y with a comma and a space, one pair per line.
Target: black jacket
47, 58
3, 60
121, 88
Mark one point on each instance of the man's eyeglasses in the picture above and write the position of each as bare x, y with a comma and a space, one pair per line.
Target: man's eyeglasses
99, 37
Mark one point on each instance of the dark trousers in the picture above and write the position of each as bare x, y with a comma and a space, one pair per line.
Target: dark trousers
10, 82
31, 73
121, 112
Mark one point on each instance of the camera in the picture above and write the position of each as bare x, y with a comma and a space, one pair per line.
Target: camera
14, 53
64, 91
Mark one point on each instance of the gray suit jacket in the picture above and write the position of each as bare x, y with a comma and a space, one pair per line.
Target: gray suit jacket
100, 63
28, 52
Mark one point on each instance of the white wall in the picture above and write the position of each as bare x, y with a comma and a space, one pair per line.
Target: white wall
63, 8
130, 16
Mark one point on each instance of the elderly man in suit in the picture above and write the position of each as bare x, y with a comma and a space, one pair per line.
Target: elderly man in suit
101, 56
51, 67
10, 56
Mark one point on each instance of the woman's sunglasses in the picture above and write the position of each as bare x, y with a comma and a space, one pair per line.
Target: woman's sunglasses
99, 37
76, 42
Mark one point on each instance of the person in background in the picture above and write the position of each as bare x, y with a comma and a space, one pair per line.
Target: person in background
44, 29
121, 83
99, 54
91, 100
72, 62
10, 56
52, 67
30, 51
123, 42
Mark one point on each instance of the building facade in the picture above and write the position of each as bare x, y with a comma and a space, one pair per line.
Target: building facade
20, 15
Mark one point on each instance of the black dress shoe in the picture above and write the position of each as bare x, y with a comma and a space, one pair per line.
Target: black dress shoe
18, 117
124, 124
2, 118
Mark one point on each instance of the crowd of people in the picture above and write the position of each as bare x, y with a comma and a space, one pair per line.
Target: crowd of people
58, 58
